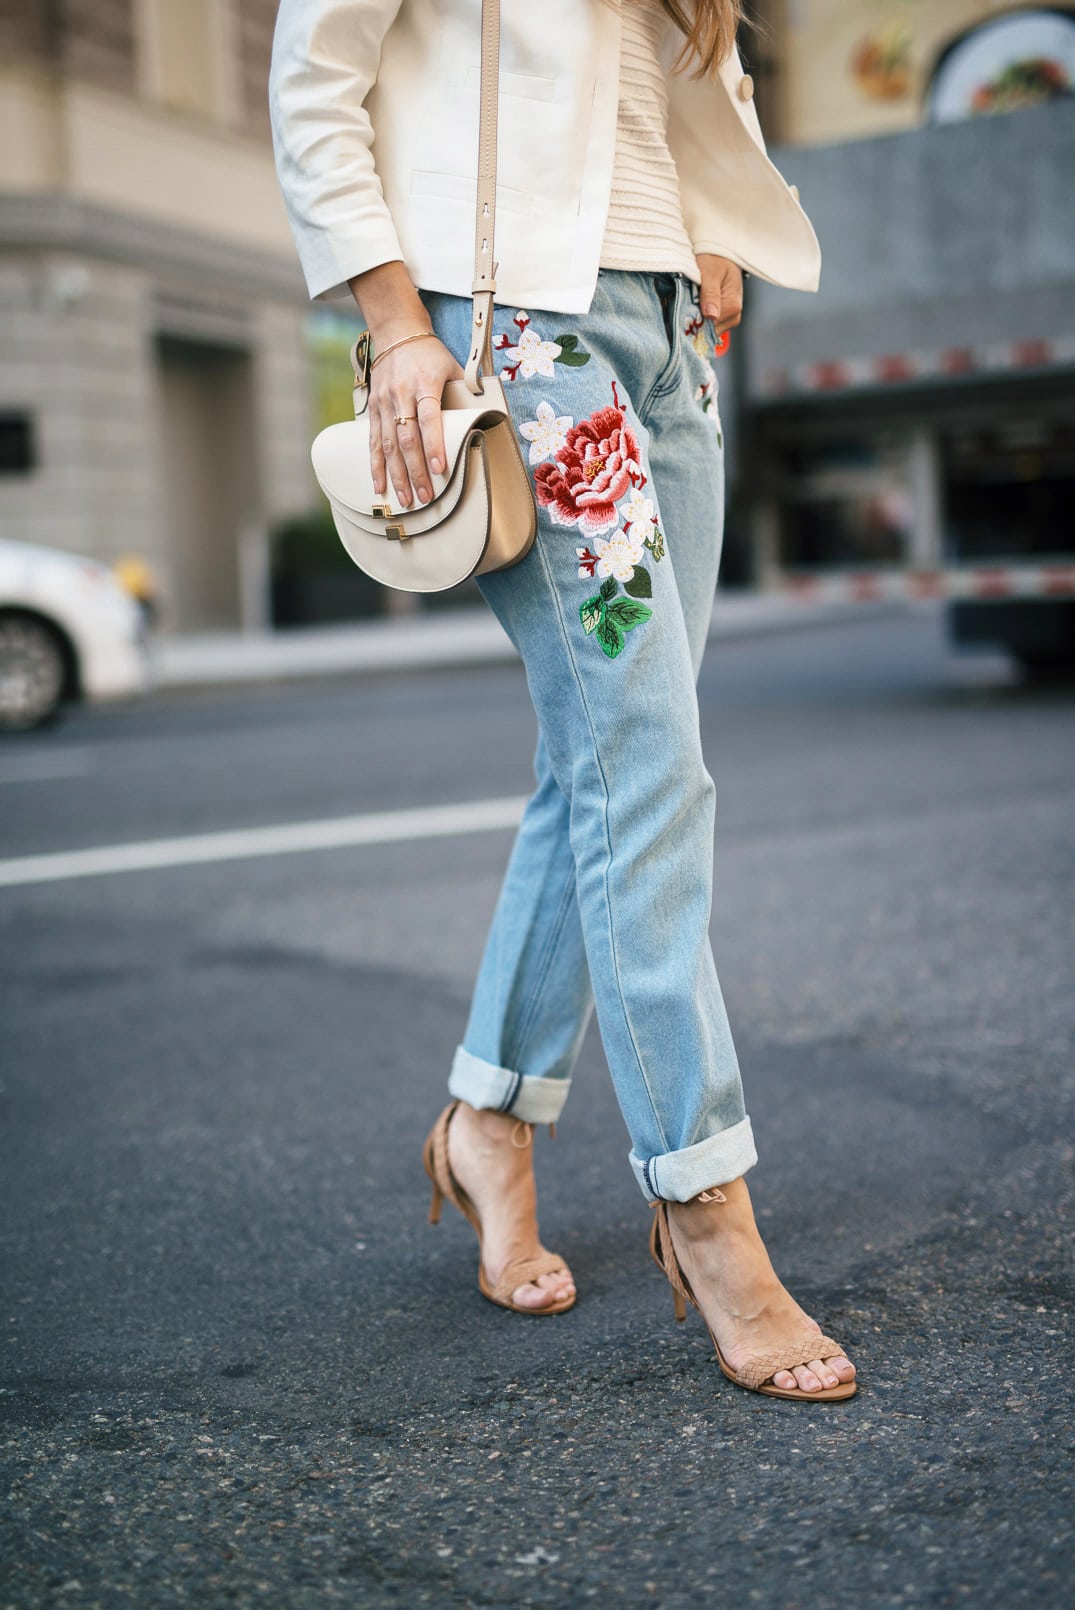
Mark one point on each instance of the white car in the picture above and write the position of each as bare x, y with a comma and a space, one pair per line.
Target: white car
68, 630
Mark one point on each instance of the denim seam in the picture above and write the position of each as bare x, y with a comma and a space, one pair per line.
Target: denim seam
529, 1014
509, 1100
608, 841
671, 375
663, 386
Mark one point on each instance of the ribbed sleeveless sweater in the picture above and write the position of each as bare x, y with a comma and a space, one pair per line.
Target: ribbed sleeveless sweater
645, 230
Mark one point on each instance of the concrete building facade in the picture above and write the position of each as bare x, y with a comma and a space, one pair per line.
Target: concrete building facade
921, 408
154, 363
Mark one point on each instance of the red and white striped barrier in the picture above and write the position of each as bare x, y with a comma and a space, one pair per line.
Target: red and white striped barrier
901, 368
1056, 579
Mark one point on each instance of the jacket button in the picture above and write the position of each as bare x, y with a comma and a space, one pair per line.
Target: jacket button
794, 191
746, 87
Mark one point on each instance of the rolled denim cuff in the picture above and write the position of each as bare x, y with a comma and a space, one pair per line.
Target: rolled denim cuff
483, 1084
677, 1176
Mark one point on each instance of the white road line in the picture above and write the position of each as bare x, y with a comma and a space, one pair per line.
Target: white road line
285, 838
47, 768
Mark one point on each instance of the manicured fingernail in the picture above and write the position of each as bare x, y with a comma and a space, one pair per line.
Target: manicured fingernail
711, 311
423, 493
435, 465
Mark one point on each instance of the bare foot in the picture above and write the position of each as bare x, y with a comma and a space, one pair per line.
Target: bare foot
744, 1304
497, 1173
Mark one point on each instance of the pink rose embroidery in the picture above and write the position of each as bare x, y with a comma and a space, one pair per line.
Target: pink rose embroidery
597, 464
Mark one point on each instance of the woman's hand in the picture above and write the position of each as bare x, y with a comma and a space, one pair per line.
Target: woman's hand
406, 384
721, 296
409, 383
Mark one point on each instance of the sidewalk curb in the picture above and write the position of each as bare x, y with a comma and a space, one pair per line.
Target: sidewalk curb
467, 637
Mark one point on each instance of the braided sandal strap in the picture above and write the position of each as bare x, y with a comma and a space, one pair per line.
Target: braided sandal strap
522, 1272
811, 1344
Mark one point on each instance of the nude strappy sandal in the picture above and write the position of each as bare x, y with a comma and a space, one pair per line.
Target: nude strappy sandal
755, 1375
518, 1273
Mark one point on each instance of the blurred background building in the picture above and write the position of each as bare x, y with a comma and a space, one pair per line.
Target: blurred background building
154, 378
921, 408
161, 371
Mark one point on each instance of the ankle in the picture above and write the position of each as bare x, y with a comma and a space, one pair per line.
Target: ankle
717, 1207
496, 1129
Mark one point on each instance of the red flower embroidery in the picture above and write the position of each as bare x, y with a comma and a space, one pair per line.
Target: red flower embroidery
596, 466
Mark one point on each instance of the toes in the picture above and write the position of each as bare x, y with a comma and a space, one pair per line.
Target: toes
531, 1296
806, 1379
818, 1374
824, 1372
545, 1291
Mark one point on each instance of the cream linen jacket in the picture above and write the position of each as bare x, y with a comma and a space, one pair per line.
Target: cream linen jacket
374, 109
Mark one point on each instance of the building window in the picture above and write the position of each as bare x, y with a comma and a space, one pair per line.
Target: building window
18, 449
188, 57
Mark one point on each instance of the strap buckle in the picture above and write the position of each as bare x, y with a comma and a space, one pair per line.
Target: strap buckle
360, 360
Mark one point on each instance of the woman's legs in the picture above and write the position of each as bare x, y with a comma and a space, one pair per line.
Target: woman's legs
610, 874
611, 637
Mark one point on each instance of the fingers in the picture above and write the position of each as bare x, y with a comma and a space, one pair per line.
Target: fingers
728, 305
377, 464
406, 427
431, 422
721, 292
409, 467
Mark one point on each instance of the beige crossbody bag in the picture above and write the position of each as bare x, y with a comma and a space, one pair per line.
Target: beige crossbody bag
482, 515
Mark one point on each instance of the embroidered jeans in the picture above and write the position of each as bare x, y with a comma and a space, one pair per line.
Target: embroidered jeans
607, 895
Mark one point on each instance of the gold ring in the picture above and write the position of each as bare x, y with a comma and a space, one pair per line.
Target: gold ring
428, 396
406, 419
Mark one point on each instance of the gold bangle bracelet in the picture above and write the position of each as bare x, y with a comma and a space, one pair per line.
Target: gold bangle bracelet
419, 335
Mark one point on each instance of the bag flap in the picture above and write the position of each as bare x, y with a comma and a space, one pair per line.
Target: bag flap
341, 461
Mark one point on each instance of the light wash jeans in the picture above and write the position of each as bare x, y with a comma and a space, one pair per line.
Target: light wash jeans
607, 895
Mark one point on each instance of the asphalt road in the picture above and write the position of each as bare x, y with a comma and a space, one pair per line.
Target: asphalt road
239, 1368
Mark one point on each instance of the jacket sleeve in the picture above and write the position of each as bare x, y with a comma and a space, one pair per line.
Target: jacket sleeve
326, 54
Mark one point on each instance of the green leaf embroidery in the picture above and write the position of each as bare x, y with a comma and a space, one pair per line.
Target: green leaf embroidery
570, 354
640, 585
720, 440
609, 634
609, 587
590, 614
628, 614
655, 544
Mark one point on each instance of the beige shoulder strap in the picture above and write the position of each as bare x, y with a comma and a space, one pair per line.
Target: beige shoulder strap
480, 359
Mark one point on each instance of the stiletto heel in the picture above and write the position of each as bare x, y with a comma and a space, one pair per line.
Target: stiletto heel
521, 1271
755, 1375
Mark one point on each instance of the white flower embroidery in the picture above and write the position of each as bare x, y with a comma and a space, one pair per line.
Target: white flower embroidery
637, 513
547, 433
532, 355
617, 555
